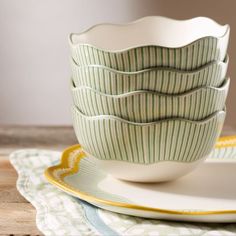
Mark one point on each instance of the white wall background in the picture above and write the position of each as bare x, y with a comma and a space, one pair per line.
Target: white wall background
34, 65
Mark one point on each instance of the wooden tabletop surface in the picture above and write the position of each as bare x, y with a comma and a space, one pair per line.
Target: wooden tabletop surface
17, 215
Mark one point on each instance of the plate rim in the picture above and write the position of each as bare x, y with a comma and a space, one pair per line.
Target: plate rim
49, 173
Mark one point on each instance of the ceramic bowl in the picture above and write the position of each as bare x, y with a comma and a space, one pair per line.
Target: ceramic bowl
151, 30
151, 42
147, 106
159, 79
147, 152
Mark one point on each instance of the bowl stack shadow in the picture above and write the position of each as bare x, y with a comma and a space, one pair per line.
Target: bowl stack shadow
149, 96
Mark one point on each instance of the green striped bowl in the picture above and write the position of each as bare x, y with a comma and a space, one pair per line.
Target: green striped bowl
146, 106
159, 79
189, 57
176, 140
151, 42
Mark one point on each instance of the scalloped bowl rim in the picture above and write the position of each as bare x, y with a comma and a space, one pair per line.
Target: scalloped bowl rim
162, 39
223, 87
162, 68
116, 118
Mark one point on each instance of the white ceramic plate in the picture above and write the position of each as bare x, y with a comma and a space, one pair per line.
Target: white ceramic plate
208, 194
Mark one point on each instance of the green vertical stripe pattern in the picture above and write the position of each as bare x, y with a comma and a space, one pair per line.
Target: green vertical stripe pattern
112, 138
160, 79
146, 106
189, 57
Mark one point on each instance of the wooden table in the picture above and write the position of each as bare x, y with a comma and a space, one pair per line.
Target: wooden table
17, 215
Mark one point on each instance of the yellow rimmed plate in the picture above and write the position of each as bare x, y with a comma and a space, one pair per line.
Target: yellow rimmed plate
208, 194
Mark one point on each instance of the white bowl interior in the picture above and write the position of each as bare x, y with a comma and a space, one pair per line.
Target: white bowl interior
153, 30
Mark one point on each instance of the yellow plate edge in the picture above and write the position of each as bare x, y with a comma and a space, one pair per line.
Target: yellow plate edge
226, 141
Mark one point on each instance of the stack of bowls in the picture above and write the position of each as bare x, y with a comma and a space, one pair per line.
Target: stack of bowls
149, 96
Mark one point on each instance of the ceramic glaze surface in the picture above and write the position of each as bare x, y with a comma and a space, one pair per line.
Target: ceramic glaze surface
149, 42
143, 173
159, 79
152, 30
205, 195
178, 140
73, 216
189, 57
147, 106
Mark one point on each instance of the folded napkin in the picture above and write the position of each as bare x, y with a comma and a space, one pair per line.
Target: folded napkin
61, 214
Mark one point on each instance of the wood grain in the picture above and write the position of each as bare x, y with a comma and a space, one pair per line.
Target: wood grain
17, 215
21, 217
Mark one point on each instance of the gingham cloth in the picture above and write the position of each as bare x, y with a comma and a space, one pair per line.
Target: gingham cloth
61, 214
